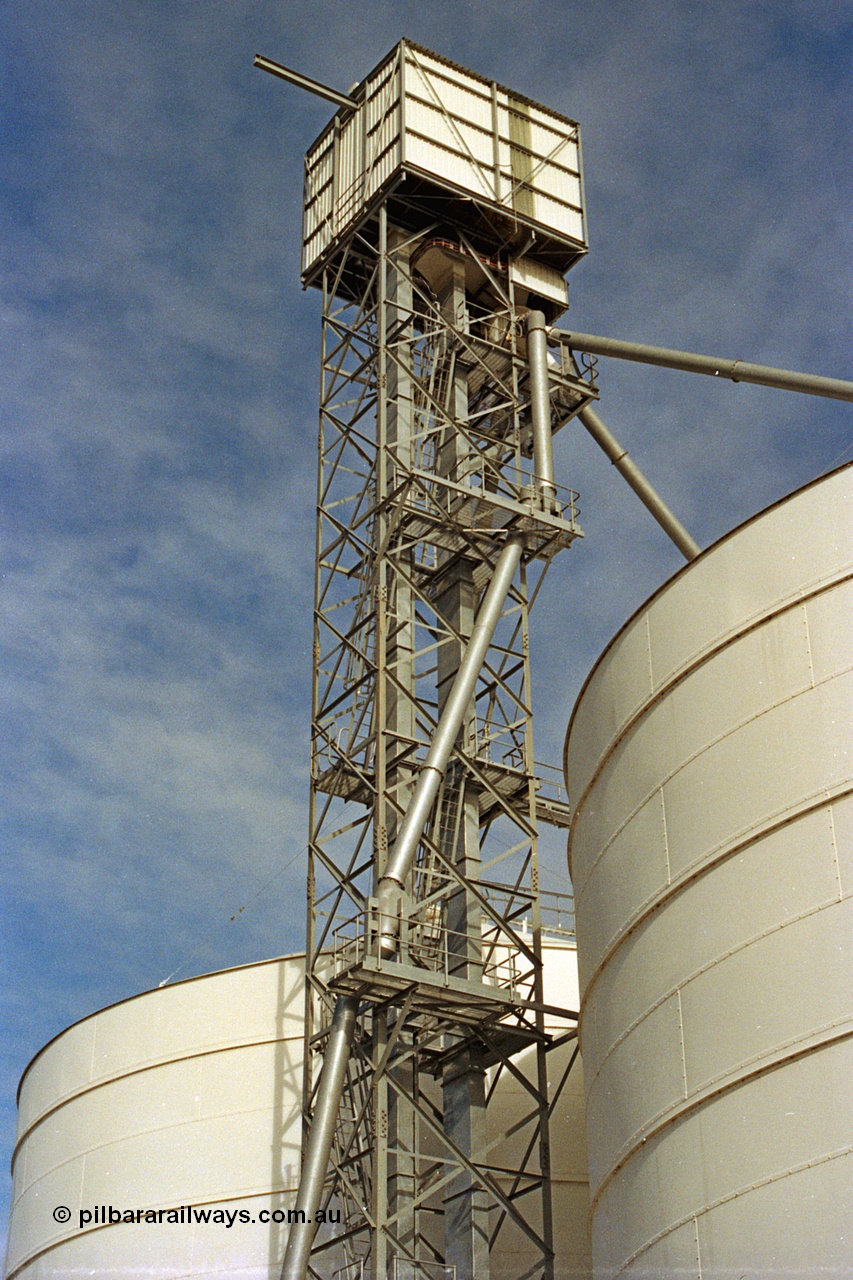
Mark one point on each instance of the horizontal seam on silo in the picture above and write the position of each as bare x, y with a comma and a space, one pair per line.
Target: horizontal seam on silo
709, 1091
789, 697
710, 964
141, 995
698, 660
733, 1195
780, 607
708, 862
101, 1226
706, 554
154, 1065
125, 1137
725, 1080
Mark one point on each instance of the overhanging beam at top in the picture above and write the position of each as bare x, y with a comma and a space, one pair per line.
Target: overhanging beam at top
713, 366
304, 82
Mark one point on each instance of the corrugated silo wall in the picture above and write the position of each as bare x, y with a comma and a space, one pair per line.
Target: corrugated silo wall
189, 1098
709, 758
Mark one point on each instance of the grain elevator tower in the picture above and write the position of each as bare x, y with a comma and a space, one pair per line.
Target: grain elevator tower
441, 213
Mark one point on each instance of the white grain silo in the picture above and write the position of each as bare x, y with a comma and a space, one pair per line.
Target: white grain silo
709, 758
188, 1095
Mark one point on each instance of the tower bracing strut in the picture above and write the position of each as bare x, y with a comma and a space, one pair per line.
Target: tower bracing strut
438, 516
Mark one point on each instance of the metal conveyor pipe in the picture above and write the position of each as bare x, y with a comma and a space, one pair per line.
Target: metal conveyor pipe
402, 856
646, 492
304, 82
540, 406
713, 366
313, 1173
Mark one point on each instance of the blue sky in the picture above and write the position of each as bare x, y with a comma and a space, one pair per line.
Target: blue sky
158, 415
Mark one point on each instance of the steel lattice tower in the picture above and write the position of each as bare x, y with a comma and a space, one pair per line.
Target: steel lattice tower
437, 518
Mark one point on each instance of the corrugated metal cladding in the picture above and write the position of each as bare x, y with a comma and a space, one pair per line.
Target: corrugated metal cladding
710, 760
424, 115
351, 160
190, 1095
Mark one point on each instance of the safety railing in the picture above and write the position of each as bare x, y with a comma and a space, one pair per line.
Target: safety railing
426, 943
481, 479
552, 786
556, 909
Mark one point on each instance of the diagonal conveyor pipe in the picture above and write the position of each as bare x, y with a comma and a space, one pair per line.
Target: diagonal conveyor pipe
304, 82
647, 494
313, 1173
734, 370
391, 887
402, 856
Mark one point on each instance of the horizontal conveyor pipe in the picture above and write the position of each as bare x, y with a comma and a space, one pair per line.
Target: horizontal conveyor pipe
402, 856
647, 494
313, 1173
713, 366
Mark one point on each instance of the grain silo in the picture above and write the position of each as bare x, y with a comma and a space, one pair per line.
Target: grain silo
709, 759
186, 1100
